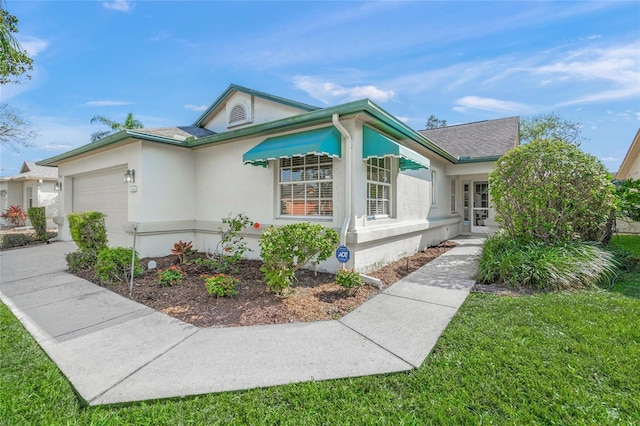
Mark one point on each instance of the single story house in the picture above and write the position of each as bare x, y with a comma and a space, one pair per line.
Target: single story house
34, 186
388, 190
630, 169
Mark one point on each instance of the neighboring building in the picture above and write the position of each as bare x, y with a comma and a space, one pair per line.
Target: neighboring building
630, 169
34, 186
386, 188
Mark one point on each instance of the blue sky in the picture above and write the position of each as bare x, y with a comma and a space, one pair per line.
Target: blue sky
462, 61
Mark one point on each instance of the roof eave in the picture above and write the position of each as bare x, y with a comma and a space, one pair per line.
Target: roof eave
634, 151
466, 160
106, 141
236, 88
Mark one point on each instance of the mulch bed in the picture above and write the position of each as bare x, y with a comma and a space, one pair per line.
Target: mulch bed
316, 297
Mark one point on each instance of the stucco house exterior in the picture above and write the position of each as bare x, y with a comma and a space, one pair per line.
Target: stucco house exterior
34, 186
630, 169
388, 190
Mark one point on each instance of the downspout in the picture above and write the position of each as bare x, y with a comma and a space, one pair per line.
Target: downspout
348, 155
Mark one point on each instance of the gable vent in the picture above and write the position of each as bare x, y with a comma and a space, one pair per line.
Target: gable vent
238, 113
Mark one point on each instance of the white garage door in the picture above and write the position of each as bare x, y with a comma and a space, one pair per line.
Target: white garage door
105, 192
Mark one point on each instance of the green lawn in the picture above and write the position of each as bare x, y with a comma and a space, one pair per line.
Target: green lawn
562, 358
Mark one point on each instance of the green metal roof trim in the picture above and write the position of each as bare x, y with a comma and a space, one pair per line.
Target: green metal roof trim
106, 141
382, 121
375, 145
325, 141
237, 88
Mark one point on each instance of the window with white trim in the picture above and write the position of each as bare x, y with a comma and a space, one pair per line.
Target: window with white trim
454, 207
306, 186
378, 187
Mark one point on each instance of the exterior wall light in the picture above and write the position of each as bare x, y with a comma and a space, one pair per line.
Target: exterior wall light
130, 176
57, 187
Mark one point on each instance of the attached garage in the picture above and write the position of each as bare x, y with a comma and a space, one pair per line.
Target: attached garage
104, 191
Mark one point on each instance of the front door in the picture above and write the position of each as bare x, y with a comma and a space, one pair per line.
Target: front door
480, 208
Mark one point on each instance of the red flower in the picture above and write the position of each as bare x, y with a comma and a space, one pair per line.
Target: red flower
256, 225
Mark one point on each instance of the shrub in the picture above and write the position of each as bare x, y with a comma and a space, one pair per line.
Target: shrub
15, 215
171, 276
88, 230
220, 285
16, 240
114, 265
81, 260
290, 247
349, 279
183, 250
550, 190
39, 222
559, 266
232, 245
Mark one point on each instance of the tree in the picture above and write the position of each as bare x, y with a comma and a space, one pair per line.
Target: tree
549, 127
15, 61
434, 122
551, 191
14, 130
129, 123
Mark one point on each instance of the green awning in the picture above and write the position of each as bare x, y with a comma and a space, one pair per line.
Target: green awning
376, 145
325, 141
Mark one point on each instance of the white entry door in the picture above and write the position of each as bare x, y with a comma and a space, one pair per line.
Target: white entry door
480, 208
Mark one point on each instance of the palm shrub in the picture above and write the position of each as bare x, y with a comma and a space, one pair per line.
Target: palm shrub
544, 266
288, 248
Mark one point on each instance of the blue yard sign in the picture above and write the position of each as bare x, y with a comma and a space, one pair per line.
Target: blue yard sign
342, 254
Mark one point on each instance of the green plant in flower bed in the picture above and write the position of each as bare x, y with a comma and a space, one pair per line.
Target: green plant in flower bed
221, 285
171, 276
288, 248
113, 264
349, 279
183, 250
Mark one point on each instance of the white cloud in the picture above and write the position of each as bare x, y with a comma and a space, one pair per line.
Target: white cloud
196, 107
106, 103
55, 147
328, 92
609, 159
490, 104
32, 45
118, 5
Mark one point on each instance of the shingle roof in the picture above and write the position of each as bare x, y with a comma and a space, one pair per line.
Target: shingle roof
489, 138
178, 133
31, 170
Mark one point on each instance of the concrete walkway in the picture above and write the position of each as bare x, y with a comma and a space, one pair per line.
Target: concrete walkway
115, 350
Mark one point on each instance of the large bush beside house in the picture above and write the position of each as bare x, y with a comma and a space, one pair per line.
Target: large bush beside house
553, 202
290, 247
551, 191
